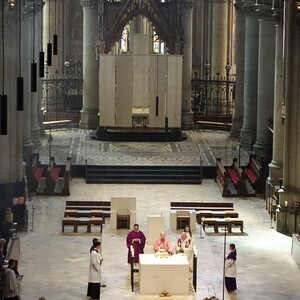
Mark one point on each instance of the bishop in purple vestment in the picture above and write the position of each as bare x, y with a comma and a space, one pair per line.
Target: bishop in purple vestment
137, 239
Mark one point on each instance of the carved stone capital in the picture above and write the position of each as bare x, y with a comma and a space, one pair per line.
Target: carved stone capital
33, 6
189, 4
259, 10
89, 3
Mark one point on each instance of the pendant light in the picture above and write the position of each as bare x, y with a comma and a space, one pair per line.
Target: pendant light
55, 35
33, 64
20, 79
3, 97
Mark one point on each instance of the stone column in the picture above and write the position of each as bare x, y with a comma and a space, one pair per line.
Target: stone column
248, 131
11, 144
35, 97
219, 38
265, 89
89, 112
237, 119
187, 114
290, 113
48, 32
26, 72
275, 167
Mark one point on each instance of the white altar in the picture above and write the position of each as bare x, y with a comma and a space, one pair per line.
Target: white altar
158, 274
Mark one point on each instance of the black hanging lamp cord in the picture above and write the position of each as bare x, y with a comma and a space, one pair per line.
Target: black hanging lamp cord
20, 79
3, 97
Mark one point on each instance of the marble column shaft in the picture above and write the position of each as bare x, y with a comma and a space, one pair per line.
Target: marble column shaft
237, 119
26, 71
265, 89
35, 97
219, 37
275, 167
248, 131
48, 32
89, 117
187, 115
11, 144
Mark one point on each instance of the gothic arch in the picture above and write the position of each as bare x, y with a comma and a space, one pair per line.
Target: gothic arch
165, 17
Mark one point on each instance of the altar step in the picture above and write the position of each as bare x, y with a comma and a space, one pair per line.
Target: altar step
144, 174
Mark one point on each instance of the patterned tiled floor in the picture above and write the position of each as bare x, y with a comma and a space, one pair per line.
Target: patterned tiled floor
199, 143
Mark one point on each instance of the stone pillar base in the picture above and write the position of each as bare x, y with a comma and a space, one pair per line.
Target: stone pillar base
288, 221
248, 137
35, 136
187, 120
236, 127
88, 119
27, 150
275, 171
261, 150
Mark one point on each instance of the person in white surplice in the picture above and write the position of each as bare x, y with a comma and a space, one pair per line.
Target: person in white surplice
185, 245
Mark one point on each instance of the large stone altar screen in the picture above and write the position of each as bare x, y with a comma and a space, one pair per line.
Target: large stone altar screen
130, 83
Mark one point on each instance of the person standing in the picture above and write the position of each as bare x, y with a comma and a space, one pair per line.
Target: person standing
10, 284
95, 272
230, 269
188, 231
137, 240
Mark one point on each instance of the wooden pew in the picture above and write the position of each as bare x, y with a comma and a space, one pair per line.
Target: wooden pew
238, 178
254, 173
222, 178
52, 174
78, 213
90, 205
67, 177
214, 125
57, 124
75, 222
220, 222
34, 172
201, 206
216, 214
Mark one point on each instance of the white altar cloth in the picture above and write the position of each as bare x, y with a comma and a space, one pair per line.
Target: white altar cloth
158, 274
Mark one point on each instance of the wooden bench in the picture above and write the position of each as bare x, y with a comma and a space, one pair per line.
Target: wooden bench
223, 222
52, 174
67, 177
85, 213
222, 178
75, 222
105, 206
34, 172
238, 178
216, 214
254, 173
201, 205
56, 124
213, 124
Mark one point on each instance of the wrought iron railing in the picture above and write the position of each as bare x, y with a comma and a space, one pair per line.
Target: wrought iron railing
213, 97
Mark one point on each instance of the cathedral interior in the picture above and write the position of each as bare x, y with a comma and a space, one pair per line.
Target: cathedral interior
152, 83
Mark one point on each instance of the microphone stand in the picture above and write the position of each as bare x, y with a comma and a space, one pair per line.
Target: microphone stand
32, 215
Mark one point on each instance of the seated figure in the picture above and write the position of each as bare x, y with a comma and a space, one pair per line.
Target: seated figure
163, 245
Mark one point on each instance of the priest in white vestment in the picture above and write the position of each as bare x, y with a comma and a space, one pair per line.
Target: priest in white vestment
185, 245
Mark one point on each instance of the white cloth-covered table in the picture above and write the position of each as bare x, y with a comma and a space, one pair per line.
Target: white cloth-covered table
167, 273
